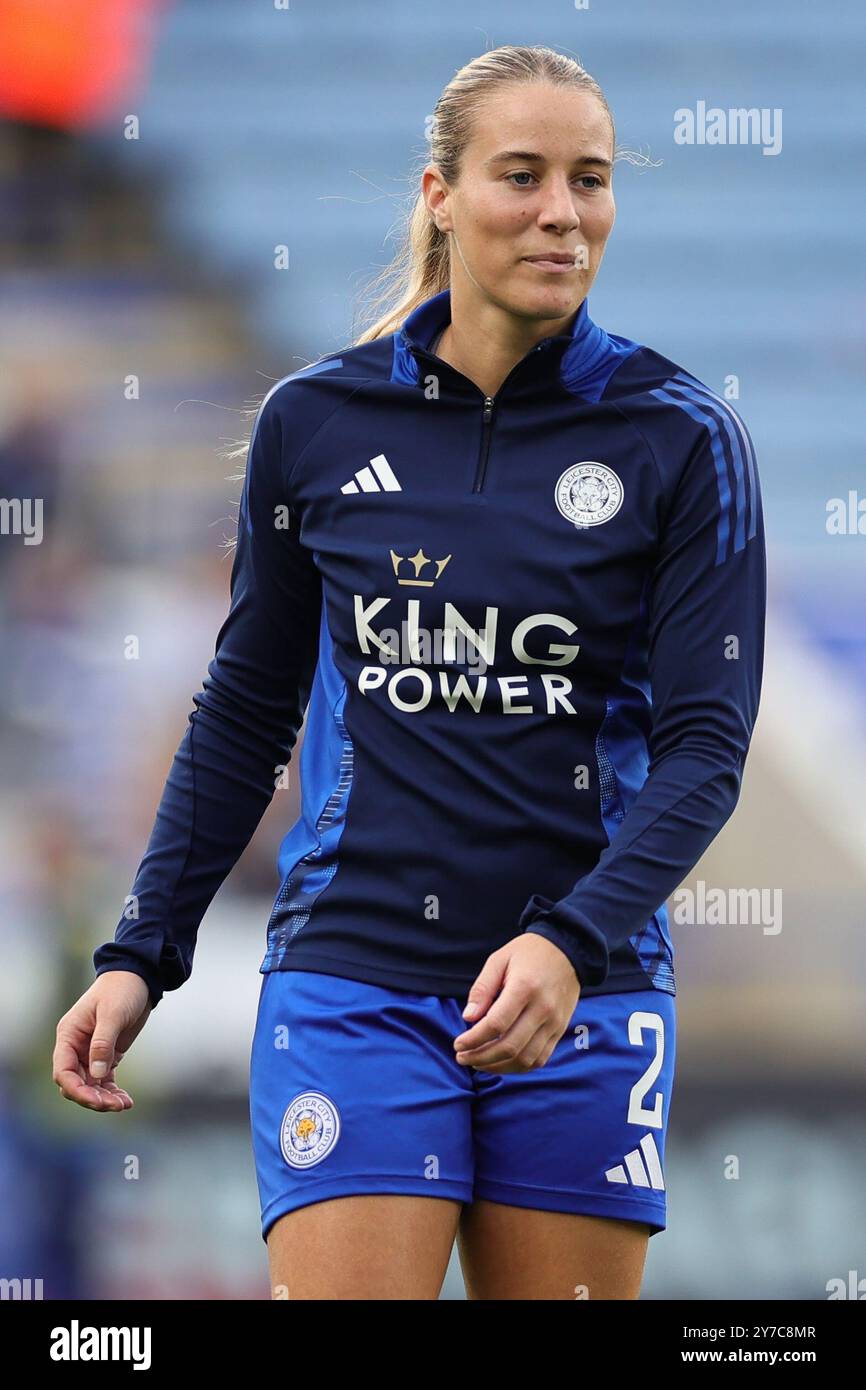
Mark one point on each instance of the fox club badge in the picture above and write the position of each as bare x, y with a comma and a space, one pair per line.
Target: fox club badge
588, 494
310, 1129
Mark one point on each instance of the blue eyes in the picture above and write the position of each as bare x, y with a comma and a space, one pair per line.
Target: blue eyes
520, 173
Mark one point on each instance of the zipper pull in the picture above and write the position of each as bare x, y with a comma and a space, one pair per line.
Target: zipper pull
488, 409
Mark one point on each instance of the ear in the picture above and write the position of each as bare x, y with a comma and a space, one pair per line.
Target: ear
436, 193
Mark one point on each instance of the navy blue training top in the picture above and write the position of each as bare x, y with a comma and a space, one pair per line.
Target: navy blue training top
527, 631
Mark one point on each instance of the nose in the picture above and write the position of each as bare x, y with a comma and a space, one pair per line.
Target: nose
558, 207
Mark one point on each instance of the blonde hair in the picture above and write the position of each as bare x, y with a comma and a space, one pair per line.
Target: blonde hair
421, 267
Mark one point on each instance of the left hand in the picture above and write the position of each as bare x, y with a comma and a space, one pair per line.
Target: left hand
526, 994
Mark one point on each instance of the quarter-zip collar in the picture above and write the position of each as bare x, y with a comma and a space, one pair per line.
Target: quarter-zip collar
580, 361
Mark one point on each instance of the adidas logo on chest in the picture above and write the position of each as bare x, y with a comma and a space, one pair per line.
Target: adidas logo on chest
379, 476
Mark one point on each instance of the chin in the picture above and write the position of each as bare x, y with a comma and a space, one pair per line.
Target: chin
561, 296
551, 301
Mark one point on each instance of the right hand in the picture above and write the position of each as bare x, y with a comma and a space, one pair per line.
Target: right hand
96, 1033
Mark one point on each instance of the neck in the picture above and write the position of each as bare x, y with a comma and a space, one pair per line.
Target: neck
485, 353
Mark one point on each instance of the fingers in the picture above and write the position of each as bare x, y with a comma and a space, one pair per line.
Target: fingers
87, 1050
506, 1055
72, 1078
487, 985
523, 1023
118, 1093
109, 1022
500, 1016
520, 1044
105, 1096
68, 1072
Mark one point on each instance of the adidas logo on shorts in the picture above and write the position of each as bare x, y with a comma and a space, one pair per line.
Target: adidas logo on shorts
641, 1167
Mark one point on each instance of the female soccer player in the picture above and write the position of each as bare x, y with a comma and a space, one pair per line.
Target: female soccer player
514, 565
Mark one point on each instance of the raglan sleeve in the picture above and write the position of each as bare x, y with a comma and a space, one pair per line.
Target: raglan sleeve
706, 623
243, 727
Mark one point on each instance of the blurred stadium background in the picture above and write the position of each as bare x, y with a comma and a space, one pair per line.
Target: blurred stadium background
154, 256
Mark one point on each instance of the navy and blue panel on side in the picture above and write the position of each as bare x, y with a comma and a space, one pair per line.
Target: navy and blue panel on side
309, 853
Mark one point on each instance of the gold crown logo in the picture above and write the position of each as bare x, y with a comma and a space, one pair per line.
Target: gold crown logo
419, 560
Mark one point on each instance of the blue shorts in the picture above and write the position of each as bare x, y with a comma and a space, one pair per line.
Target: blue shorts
354, 1088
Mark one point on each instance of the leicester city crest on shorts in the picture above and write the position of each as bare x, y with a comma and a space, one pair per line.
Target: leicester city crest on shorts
310, 1129
588, 494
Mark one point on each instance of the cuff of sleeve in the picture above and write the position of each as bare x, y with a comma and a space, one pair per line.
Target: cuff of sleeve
577, 938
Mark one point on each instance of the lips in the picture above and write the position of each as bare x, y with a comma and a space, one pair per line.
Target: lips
558, 257
565, 265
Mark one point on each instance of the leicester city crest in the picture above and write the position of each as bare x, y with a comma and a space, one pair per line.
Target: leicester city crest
588, 494
310, 1129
